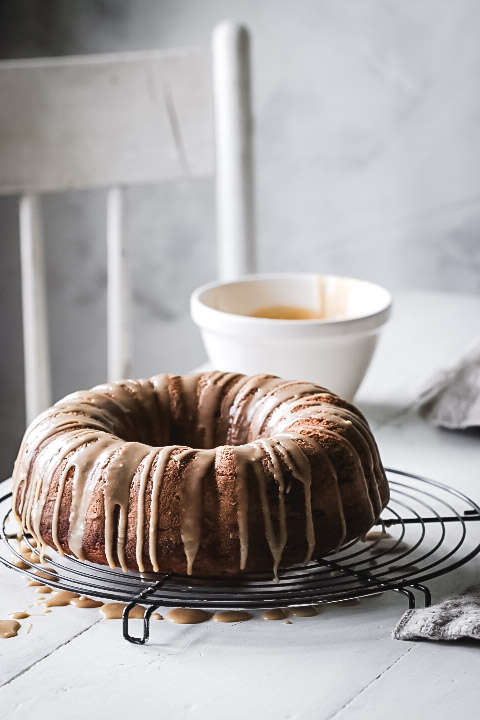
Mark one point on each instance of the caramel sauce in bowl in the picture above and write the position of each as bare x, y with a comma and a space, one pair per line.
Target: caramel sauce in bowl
287, 312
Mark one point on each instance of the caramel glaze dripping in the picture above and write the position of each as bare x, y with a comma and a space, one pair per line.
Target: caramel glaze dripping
192, 500
271, 428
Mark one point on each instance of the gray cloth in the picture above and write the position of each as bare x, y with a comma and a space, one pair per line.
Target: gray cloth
453, 619
452, 397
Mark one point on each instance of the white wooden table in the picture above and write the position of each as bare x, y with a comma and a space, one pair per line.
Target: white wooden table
341, 664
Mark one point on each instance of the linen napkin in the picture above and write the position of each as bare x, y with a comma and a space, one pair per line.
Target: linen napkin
452, 398
453, 619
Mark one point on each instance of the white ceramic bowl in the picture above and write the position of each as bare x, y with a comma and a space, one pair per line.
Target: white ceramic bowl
334, 352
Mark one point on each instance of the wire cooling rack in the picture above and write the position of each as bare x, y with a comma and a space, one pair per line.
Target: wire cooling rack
427, 530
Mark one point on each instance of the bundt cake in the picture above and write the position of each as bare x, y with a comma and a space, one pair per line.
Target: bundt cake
208, 474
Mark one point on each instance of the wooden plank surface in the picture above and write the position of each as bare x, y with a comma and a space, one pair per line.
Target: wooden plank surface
102, 120
341, 664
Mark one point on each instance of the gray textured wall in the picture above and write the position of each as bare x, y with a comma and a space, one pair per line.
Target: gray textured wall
367, 137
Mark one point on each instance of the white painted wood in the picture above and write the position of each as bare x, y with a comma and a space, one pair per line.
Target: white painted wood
234, 156
102, 120
258, 670
442, 683
188, 94
35, 329
118, 295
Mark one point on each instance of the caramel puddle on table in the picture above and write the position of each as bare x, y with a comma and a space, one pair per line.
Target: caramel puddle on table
185, 616
9, 628
232, 616
85, 602
114, 611
23, 614
302, 611
60, 598
274, 614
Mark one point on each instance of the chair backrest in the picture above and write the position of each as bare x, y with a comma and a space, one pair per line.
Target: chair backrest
112, 121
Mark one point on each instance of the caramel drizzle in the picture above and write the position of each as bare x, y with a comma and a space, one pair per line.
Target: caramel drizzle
192, 499
147, 467
268, 421
159, 472
120, 472
350, 422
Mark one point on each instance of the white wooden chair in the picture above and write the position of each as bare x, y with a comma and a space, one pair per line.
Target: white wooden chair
117, 120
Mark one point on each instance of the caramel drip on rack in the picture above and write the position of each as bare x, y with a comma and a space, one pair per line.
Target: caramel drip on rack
272, 429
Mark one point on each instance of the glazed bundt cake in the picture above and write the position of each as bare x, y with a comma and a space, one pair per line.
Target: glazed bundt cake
207, 474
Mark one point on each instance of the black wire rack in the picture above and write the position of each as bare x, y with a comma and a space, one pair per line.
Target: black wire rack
425, 531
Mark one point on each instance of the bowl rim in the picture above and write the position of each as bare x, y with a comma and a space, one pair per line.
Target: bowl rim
233, 324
